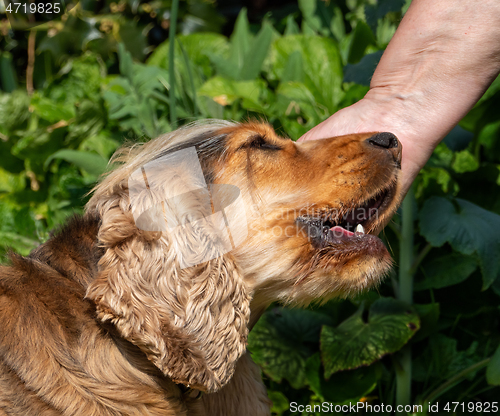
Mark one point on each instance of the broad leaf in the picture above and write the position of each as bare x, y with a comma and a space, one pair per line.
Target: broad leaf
362, 72
362, 37
282, 341
255, 56
342, 386
321, 64
469, 229
465, 162
458, 139
225, 91
354, 343
446, 271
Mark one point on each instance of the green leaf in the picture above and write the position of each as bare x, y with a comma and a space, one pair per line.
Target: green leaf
18, 229
198, 47
10, 182
254, 58
13, 111
447, 270
468, 228
240, 40
294, 68
429, 320
441, 359
493, 369
362, 37
78, 31
280, 402
226, 91
291, 26
282, 341
92, 163
134, 38
308, 9
126, 63
489, 134
50, 111
8, 79
458, 139
354, 343
362, 72
374, 12
321, 64
342, 386
337, 25
464, 162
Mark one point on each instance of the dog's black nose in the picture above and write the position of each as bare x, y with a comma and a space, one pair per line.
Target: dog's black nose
385, 140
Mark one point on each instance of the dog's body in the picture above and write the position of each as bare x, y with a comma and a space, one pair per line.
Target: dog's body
107, 318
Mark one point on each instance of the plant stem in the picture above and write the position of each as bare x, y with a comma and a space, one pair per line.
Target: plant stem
419, 258
31, 62
405, 293
171, 66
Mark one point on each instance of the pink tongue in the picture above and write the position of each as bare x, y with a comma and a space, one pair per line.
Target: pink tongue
338, 231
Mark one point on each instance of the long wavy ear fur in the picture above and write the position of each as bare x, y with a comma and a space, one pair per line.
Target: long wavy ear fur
190, 322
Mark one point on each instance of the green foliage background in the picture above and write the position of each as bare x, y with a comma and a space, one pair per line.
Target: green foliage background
102, 76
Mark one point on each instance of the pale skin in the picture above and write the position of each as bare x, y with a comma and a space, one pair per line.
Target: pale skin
441, 60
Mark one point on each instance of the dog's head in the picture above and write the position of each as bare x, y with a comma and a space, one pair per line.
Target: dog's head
197, 223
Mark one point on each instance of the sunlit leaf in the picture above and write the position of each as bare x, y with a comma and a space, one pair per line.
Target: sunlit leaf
355, 343
91, 162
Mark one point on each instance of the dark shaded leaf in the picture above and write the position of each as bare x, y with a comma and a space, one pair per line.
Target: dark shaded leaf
446, 270
493, 369
468, 228
458, 139
362, 37
282, 341
342, 386
374, 12
441, 359
361, 73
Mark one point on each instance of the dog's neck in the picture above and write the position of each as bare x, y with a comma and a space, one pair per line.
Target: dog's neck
73, 251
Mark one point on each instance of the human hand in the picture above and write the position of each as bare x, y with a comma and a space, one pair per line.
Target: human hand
375, 114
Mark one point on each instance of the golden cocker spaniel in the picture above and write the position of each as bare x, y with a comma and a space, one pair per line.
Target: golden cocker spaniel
145, 302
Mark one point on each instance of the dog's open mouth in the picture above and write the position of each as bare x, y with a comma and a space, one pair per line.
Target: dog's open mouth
333, 227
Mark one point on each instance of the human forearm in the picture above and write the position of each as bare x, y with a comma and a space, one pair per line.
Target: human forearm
443, 57
440, 61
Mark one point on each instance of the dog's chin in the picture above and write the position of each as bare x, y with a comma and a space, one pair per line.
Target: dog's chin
345, 255
339, 279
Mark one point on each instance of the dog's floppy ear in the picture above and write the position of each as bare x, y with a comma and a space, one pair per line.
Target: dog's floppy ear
190, 322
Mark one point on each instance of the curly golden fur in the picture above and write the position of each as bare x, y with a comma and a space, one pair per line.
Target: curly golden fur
115, 315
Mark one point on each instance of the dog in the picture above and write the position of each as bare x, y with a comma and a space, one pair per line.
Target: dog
142, 306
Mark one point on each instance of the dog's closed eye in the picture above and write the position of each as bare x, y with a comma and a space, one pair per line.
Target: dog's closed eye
262, 143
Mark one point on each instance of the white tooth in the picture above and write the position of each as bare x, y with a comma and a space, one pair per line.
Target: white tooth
360, 229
